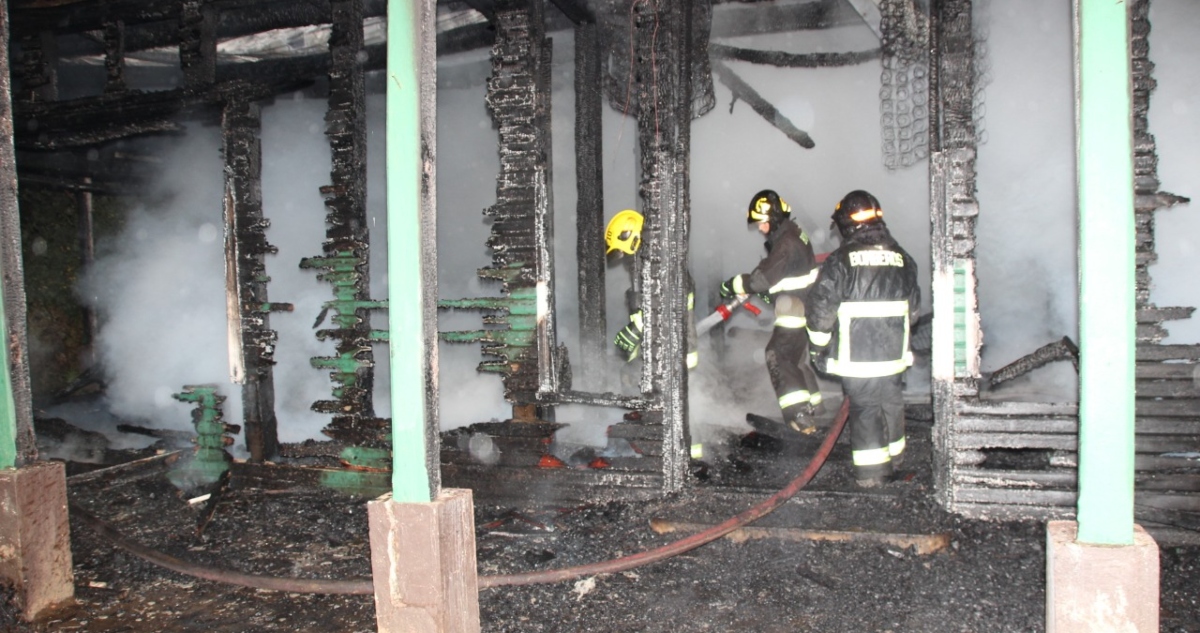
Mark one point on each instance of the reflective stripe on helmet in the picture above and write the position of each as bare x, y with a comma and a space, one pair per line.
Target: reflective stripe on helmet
871, 457
793, 398
790, 322
795, 283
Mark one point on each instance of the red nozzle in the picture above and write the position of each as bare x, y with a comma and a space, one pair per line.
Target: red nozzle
752, 308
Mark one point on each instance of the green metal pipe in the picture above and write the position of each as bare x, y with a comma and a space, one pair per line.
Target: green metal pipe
410, 477
1107, 335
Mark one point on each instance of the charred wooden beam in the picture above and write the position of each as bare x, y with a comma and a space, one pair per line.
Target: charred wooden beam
791, 60
662, 48
589, 209
954, 209
575, 11
238, 17
742, 90
347, 240
738, 19
114, 56
486, 8
518, 101
246, 249
198, 43
38, 69
921, 544
1062, 349
96, 120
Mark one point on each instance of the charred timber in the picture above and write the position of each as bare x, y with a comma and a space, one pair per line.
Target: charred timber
347, 239
1062, 349
792, 60
93, 120
237, 17
589, 210
242, 149
662, 47
198, 43
735, 21
742, 90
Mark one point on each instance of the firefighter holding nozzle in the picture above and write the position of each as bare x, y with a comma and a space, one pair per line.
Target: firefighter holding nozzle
859, 312
623, 239
784, 277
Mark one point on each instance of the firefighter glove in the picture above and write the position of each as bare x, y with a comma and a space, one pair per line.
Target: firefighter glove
629, 339
819, 355
731, 288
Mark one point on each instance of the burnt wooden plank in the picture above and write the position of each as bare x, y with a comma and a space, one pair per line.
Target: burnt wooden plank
1168, 352
1158, 315
1181, 371
1178, 482
1048, 479
1143, 443
129, 471
1167, 389
995, 407
1016, 425
1010, 496
1168, 408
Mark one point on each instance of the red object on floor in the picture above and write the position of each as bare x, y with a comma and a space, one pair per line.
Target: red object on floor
550, 461
599, 462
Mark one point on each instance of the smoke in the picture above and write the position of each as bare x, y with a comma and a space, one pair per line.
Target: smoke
159, 291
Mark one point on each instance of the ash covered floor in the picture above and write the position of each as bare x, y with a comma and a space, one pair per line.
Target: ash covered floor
978, 576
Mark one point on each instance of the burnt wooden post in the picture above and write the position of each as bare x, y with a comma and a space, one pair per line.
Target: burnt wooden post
252, 341
522, 236
39, 67
114, 55
347, 233
589, 209
662, 46
954, 208
87, 256
198, 43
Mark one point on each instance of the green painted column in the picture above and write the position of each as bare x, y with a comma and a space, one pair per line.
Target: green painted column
406, 290
1107, 323
8, 408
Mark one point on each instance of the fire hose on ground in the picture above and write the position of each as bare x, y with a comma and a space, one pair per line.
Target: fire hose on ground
365, 586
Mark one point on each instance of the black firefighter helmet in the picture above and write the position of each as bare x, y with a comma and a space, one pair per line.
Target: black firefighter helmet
767, 206
856, 210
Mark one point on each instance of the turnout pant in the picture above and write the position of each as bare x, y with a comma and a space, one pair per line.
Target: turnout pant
793, 378
876, 423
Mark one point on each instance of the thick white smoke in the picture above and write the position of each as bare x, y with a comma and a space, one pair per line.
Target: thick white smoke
160, 292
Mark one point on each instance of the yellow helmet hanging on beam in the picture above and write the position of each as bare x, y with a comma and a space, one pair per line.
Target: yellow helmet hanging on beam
624, 232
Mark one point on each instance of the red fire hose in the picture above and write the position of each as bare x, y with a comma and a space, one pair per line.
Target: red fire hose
692, 542
364, 586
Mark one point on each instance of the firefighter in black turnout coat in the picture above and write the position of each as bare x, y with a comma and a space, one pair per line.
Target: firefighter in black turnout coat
859, 313
784, 277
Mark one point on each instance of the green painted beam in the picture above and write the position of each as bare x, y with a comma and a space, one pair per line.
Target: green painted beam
1106, 272
410, 477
